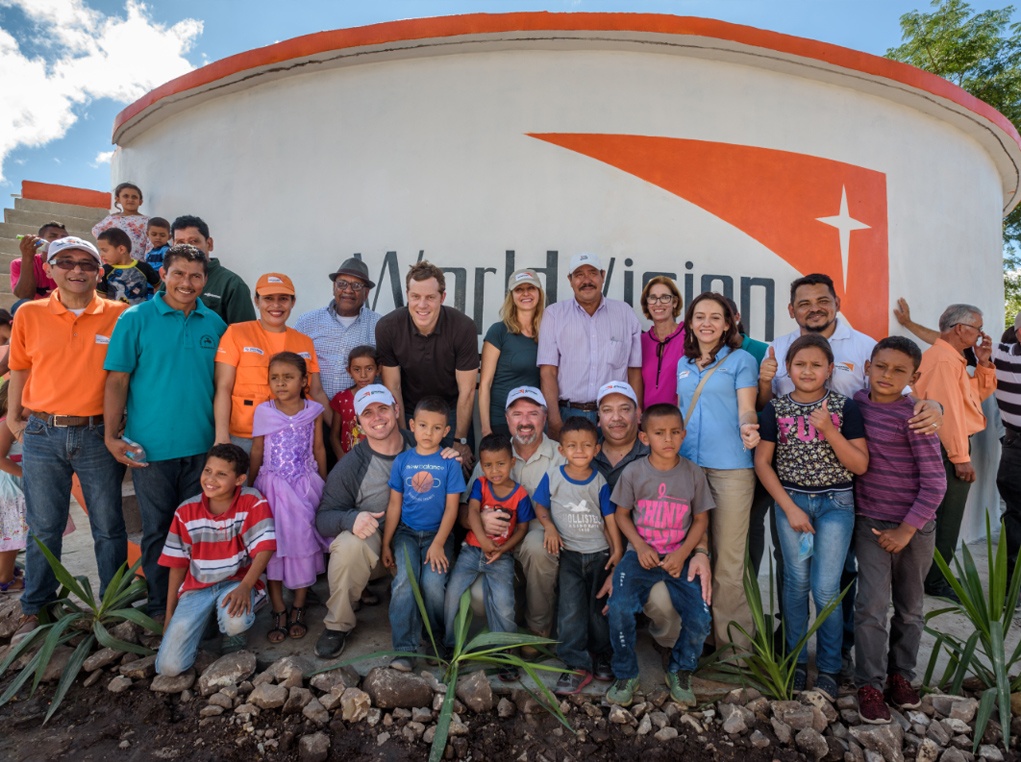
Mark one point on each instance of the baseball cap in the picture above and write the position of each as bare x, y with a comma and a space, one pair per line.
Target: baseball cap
70, 243
521, 277
355, 268
274, 283
370, 395
525, 393
616, 387
579, 260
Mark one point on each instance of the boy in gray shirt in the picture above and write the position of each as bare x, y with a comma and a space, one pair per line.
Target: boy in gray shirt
573, 504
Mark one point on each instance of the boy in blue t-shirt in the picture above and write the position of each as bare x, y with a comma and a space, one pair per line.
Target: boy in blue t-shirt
425, 490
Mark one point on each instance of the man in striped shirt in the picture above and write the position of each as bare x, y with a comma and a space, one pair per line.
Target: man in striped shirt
1007, 359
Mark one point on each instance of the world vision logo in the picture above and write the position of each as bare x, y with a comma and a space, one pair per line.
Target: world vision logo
819, 215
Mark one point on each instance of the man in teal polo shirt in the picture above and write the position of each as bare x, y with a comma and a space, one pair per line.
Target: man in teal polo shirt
160, 362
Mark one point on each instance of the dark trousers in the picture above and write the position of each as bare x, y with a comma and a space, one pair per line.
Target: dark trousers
948, 523
581, 626
764, 511
1008, 481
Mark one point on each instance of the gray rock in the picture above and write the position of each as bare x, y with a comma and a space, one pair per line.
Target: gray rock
178, 684
917, 718
819, 721
221, 700
354, 705
422, 714
382, 738
373, 717
297, 699
459, 728
850, 716
93, 678
314, 747
126, 631
928, 751
964, 709
760, 704
938, 734
140, 669
506, 709
645, 726
10, 615
736, 719
388, 688
962, 742
900, 719
666, 734
58, 664
781, 730
229, 670
330, 701
245, 687
758, 739
847, 702
659, 720
954, 755
955, 726
104, 657
873, 756
475, 692
325, 681
268, 696
796, 715
246, 711
287, 671
621, 716
990, 753
402, 713
942, 703
316, 712
211, 711
414, 730
119, 684
812, 743
886, 740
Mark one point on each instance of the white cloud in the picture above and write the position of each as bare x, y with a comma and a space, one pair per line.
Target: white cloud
90, 55
103, 157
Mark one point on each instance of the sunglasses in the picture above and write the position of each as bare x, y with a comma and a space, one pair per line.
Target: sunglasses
86, 265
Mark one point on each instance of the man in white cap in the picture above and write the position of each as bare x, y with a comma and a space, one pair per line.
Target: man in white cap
352, 511
55, 406
584, 343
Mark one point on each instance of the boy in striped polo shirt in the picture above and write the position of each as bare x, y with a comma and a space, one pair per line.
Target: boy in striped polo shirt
219, 544
895, 531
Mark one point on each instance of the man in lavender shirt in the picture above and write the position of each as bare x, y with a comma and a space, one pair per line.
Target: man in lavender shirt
584, 343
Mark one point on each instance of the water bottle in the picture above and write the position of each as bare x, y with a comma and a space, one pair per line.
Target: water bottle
135, 451
41, 245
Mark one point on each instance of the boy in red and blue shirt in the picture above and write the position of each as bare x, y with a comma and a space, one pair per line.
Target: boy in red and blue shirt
218, 546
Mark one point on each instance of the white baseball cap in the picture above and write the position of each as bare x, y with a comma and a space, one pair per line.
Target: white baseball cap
580, 260
371, 394
525, 393
616, 387
70, 243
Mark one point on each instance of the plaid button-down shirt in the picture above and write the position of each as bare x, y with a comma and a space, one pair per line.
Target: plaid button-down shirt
333, 341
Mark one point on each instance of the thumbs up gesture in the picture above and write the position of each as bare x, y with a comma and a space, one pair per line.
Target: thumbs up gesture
767, 370
822, 419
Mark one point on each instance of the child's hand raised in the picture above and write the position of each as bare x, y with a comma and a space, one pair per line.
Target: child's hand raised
647, 557
436, 558
552, 542
822, 419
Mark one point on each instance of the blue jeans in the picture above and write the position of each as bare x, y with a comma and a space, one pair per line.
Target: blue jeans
405, 619
569, 412
497, 590
832, 517
631, 585
184, 633
49, 458
582, 628
160, 487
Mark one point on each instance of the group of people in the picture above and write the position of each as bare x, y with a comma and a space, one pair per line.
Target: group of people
618, 470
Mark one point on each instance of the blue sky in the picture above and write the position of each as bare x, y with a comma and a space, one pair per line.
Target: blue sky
69, 66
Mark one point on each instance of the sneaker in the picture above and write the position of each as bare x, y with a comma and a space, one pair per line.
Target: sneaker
570, 683
622, 692
231, 643
871, 706
826, 684
401, 664
679, 684
330, 644
508, 674
602, 670
26, 624
900, 693
800, 680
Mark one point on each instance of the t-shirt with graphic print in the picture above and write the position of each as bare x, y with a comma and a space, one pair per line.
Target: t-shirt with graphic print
663, 503
804, 460
514, 504
576, 508
128, 283
425, 481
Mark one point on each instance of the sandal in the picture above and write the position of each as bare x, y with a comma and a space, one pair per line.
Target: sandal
277, 633
297, 627
369, 598
15, 585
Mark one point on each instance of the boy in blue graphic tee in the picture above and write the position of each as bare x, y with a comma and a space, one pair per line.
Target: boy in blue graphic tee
424, 493
572, 502
662, 503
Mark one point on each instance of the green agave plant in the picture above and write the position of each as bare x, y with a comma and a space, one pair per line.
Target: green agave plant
485, 650
85, 619
989, 607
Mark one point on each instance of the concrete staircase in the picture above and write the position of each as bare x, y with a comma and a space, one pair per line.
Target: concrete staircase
26, 217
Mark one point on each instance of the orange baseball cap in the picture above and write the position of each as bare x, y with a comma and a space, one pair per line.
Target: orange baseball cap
274, 283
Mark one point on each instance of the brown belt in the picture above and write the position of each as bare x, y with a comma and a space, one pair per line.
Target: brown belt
68, 421
588, 407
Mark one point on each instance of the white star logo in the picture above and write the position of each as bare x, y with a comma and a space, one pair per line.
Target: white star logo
844, 223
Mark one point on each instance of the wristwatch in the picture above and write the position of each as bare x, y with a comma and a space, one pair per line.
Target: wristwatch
703, 551
463, 440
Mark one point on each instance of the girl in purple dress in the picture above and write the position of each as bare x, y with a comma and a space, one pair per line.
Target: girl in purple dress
289, 469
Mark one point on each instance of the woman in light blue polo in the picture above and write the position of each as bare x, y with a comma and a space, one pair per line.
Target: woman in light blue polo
716, 387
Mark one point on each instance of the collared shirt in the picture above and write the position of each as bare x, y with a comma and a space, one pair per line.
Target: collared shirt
527, 473
1007, 359
944, 378
64, 354
611, 473
851, 350
428, 364
589, 350
333, 341
170, 357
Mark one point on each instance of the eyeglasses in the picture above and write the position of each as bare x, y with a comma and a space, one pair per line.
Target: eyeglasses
976, 327
666, 299
86, 265
347, 285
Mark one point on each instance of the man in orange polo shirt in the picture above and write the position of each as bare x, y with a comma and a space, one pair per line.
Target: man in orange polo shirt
55, 408
944, 378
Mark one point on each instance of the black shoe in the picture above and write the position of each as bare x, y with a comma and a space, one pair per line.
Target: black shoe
602, 671
943, 591
330, 644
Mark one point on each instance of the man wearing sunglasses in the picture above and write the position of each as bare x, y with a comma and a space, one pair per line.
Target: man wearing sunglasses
55, 408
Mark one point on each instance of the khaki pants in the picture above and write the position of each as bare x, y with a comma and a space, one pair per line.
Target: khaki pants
733, 490
540, 570
353, 562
